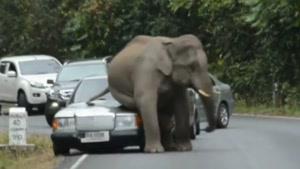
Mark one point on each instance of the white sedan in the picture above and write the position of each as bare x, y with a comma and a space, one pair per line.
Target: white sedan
101, 125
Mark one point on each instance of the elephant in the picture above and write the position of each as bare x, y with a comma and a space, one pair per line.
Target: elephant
151, 75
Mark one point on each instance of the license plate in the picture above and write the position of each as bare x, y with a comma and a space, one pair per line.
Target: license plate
100, 136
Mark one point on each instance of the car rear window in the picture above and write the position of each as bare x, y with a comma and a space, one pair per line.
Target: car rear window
77, 72
89, 88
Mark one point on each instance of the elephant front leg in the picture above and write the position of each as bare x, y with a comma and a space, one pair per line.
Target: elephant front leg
147, 106
182, 127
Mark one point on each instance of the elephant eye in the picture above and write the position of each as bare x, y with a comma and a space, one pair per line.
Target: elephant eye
193, 66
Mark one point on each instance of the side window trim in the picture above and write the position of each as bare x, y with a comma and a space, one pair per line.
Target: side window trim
3, 71
14, 65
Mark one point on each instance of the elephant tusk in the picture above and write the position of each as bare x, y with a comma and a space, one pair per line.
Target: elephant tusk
203, 93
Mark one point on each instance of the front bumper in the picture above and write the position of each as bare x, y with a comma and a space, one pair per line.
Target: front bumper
118, 139
37, 96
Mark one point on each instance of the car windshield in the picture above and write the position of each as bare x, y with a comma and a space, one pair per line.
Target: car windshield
77, 72
89, 88
35, 67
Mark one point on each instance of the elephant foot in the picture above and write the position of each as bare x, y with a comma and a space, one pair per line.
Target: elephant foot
154, 148
170, 146
184, 146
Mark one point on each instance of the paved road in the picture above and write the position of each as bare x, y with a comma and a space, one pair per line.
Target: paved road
248, 143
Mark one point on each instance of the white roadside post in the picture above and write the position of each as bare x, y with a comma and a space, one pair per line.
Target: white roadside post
17, 126
18, 129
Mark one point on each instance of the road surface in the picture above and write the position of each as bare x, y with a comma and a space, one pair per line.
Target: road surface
248, 143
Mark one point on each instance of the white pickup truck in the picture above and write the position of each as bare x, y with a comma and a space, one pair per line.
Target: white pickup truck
23, 79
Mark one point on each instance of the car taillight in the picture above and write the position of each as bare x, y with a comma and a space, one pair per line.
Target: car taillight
139, 120
55, 124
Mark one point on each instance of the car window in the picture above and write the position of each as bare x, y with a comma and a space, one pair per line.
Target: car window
3, 67
89, 88
35, 67
12, 67
77, 72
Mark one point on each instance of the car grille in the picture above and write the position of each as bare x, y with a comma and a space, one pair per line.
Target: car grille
95, 122
66, 94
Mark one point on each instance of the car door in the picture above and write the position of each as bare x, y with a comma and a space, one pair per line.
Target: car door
3, 79
12, 83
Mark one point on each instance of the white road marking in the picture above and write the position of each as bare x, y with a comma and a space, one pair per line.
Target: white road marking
79, 161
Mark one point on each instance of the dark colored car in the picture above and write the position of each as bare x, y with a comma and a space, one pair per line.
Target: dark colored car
67, 79
224, 103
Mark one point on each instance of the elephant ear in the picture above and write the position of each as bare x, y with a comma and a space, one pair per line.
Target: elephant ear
164, 62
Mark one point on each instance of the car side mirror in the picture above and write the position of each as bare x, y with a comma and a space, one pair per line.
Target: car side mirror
50, 81
11, 74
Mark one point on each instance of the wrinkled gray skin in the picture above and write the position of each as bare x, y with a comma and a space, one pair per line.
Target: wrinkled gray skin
151, 75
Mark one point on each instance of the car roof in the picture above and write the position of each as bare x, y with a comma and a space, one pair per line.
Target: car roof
82, 62
26, 58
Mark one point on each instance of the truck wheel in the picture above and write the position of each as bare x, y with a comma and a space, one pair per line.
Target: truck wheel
22, 102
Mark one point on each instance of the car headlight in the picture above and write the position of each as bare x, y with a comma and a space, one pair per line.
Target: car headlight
37, 85
64, 123
127, 121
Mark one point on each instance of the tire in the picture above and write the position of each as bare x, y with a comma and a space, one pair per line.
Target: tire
222, 116
59, 149
193, 132
48, 115
198, 128
197, 122
22, 102
49, 118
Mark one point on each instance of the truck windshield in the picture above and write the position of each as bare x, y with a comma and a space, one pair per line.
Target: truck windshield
35, 67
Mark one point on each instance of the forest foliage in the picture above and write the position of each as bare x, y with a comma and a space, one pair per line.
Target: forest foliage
251, 44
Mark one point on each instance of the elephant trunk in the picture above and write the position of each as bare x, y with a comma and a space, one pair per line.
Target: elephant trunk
203, 86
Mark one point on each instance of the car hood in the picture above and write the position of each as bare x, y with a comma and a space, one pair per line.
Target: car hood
105, 106
40, 78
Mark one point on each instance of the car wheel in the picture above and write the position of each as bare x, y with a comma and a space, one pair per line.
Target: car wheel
48, 115
49, 118
22, 102
223, 116
193, 131
197, 122
60, 149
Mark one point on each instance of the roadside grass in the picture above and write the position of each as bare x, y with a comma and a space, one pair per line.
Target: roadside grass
263, 109
41, 157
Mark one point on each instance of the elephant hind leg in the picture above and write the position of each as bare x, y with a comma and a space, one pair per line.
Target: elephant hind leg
124, 99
